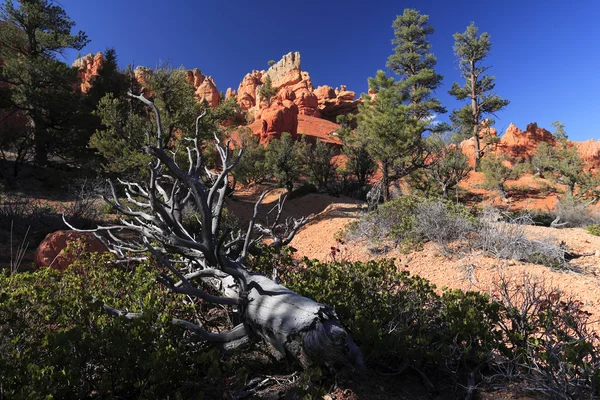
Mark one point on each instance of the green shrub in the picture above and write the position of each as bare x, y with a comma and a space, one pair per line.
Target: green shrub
594, 229
393, 221
56, 340
400, 319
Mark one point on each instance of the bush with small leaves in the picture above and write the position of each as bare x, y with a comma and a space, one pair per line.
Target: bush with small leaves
594, 229
57, 341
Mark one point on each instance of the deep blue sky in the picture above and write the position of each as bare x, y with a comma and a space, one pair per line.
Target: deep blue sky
545, 53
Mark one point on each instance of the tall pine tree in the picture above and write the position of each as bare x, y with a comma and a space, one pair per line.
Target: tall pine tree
471, 49
394, 122
414, 63
32, 36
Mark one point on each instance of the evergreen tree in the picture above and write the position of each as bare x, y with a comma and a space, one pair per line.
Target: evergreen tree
497, 171
450, 165
393, 124
126, 121
320, 165
359, 163
564, 162
33, 34
394, 137
285, 158
413, 62
267, 90
471, 49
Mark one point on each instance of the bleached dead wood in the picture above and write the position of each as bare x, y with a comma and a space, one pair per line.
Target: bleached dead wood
294, 325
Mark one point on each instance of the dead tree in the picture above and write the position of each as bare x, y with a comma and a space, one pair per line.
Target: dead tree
294, 325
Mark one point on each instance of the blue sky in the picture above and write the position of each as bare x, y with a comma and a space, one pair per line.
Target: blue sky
545, 53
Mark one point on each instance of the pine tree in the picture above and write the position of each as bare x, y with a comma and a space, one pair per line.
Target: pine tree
393, 135
393, 124
471, 49
33, 34
413, 62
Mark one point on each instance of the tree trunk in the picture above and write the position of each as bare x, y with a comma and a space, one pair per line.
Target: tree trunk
502, 191
294, 325
385, 181
477, 147
571, 188
40, 145
445, 191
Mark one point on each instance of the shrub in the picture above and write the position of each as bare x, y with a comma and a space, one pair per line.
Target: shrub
573, 212
525, 332
320, 165
285, 158
393, 221
251, 169
594, 229
397, 318
443, 222
56, 340
508, 240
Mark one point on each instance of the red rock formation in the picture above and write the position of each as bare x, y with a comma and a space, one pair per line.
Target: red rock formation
208, 91
489, 136
523, 144
205, 87
230, 93
51, 252
281, 116
590, 152
88, 68
246, 93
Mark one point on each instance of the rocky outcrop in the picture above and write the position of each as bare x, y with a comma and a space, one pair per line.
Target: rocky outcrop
286, 72
280, 116
523, 144
205, 87
52, 251
247, 90
295, 85
333, 102
590, 152
88, 68
230, 93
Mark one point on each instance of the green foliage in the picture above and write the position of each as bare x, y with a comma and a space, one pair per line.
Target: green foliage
398, 319
496, 170
271, 63
564, 164
33, 35
392, 136
320, 165
56, 341
413, 62
285, 158
267, 90
471, 49
359, 164
252, 168
594, 229
392, 221
449, 165
125, 122
402, 321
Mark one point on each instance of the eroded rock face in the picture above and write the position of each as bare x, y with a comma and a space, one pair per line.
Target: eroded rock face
52, 251
88, 68
205, 87
523, 144
334, 102
280, 116
590, 152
